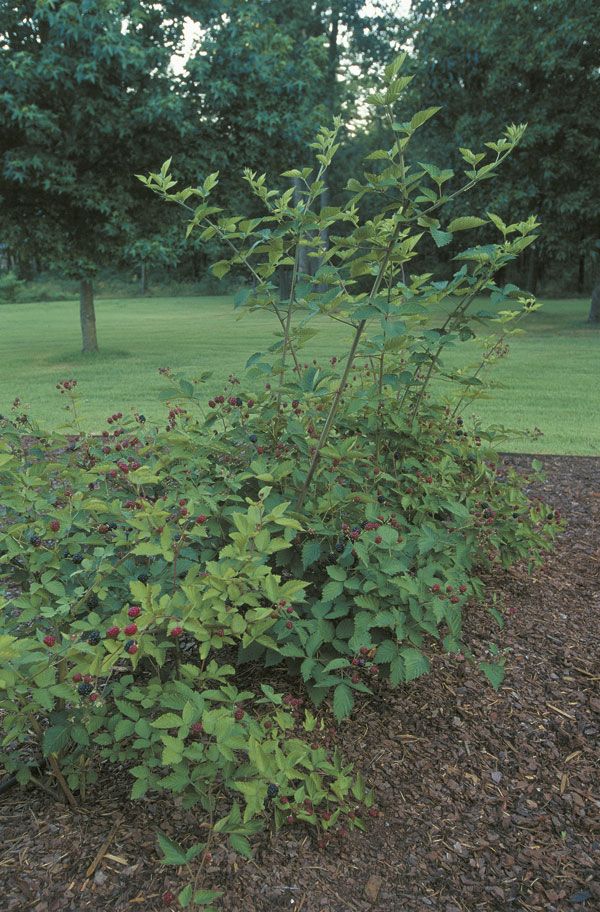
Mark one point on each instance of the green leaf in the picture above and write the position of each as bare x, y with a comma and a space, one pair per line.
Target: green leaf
167, 720
55, 739
311, 552
386, 651
343, 701
422, 117
466, 222
123, 729
336, 573
207, 896
185, 896
331, 591
139, 789
221, 268
494, 672
241, 845
415, 663
441, 238
173, 854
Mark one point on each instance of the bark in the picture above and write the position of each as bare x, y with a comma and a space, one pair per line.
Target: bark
581, 274
143, 278
532, 272
87, 315
285, 282
594, 315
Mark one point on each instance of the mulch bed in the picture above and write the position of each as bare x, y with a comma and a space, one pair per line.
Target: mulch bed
490, 801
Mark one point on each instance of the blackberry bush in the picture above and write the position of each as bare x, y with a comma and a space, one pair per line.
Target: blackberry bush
332, 519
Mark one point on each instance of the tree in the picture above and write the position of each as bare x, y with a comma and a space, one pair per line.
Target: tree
86, 100
268, 73
493, 63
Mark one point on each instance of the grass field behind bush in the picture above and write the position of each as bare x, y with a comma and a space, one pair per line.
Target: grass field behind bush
551, 380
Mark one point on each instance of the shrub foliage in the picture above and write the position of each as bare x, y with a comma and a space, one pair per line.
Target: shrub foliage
328, 522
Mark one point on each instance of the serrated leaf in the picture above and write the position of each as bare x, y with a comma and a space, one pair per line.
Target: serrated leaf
466, 222
240, 844
207, 896
123, 729
139, 789
311, 552
386, 651
331, 591
167, 720
173, 854
343, 701
415, 663
185, 896
422, 117
441, 238
494, 673
55, 739
335, 572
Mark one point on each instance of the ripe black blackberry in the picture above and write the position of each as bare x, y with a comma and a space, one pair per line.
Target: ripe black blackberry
92, 601
93, 637
85, 689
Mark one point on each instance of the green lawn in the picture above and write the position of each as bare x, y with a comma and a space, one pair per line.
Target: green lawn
551, 380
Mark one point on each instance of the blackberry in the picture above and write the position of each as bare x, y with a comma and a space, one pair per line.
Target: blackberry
143, 578
252, 438
339, 547
141, 419
272, 791
36, 541
85, 689
238, 401
92, 601
77, 558
93, 637
381, 499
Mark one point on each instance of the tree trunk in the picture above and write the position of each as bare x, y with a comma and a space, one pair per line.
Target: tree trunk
581, 274
532, 272
143, 283
285, 282
594, 315
87, 315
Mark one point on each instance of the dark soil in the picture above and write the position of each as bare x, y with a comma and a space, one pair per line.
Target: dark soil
489, 801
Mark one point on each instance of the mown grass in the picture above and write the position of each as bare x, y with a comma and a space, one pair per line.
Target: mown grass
551, 381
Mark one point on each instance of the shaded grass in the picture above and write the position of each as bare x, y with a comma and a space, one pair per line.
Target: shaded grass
551, 381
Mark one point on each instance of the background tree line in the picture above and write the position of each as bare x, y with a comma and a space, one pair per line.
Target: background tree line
89, 97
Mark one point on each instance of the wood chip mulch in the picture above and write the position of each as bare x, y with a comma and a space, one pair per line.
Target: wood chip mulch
490, 801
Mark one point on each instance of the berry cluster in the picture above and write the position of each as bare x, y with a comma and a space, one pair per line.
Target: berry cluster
66, 386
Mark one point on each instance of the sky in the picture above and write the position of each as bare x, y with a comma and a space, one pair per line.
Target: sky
191, 31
